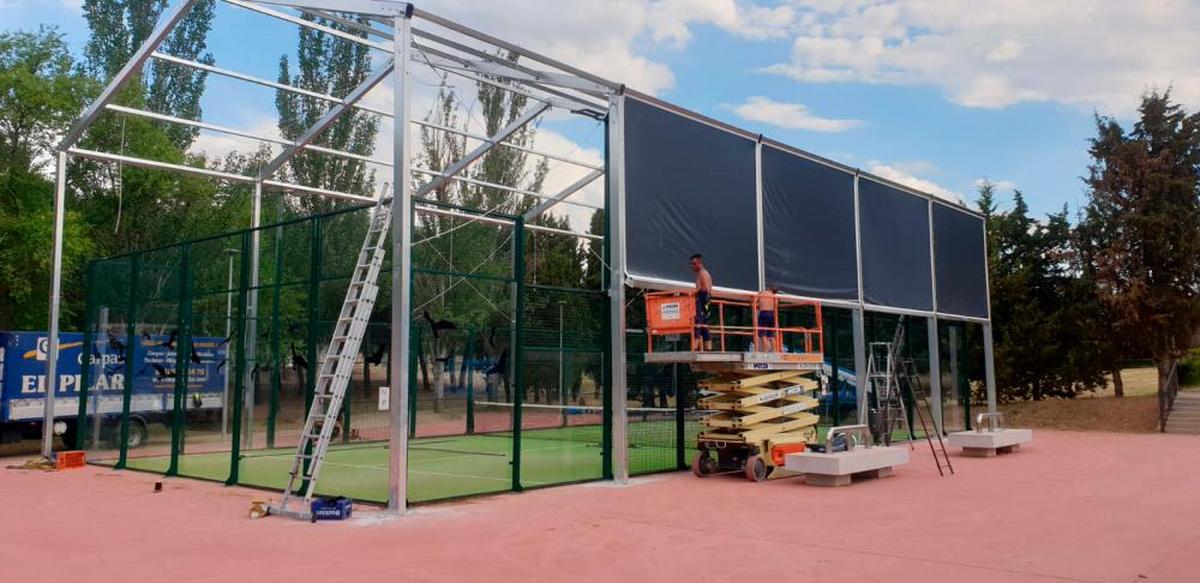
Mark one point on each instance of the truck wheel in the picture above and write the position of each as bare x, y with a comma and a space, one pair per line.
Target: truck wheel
70, 435
137, 434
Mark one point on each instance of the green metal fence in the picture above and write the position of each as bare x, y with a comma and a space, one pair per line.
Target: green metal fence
207, 356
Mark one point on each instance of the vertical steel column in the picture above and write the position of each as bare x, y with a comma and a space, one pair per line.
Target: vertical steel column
606, 466
398, 363
935, 373
517, 349
989, 367
860, 363
252, 316
858, 329
616, 286
60, 204
758, 209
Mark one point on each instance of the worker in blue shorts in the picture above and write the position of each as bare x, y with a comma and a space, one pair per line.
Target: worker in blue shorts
768, 302
704, 286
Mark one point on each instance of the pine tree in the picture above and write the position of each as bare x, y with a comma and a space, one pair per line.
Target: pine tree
1143, 215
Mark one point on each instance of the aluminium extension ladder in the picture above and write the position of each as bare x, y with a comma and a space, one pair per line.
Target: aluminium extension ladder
337, 366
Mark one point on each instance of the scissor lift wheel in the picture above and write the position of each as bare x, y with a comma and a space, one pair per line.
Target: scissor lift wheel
756, 468
703, 465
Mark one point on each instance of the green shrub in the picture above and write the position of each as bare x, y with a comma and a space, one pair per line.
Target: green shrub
1189, 369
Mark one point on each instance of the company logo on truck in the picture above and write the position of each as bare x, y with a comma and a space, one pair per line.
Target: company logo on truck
153, 369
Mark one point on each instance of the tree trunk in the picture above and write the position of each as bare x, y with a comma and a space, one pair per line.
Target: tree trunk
1118, 382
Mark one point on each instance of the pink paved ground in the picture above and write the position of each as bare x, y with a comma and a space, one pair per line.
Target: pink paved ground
1072, 506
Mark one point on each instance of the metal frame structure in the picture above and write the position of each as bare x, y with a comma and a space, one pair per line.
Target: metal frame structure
388, 27
407, 36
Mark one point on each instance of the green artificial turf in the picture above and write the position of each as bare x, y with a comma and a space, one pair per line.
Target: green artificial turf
440, 467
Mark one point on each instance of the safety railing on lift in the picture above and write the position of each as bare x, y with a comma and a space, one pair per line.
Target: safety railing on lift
673, 313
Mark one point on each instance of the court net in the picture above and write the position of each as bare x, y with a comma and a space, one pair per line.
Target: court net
646, 427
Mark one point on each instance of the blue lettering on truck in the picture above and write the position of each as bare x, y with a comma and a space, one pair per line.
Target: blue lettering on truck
23, 358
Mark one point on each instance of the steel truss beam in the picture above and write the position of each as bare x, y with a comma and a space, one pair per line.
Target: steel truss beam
483, 218
596, 108
330, 117
491, 40
578, 185
491, 75
388, 8
126, 73
505, 132
502, 187
254, 7
331, 99
509, 67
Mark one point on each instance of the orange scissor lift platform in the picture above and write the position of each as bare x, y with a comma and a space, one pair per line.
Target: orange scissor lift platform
758, 403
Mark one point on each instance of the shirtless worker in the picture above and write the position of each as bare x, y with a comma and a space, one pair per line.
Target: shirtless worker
766, 304
704, 285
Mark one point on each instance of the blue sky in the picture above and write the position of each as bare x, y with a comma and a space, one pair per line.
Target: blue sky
936, 93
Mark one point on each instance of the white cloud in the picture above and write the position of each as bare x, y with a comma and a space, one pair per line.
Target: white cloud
792, 116
900, 173
994, 53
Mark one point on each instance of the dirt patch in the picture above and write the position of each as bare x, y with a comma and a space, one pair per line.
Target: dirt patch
1127, 415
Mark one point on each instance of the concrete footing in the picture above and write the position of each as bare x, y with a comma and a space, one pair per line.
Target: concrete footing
990, 443
841, 468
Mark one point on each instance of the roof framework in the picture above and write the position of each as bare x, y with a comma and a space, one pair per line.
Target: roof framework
406, 37
403, 38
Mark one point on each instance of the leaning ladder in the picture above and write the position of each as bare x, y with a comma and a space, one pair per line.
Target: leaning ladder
940, 456
337, 367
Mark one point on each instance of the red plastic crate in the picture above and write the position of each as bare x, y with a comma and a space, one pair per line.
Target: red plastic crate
66, 460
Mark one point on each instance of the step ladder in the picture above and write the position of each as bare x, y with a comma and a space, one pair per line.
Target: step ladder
336, 368
892, 376
882, 374
941, 457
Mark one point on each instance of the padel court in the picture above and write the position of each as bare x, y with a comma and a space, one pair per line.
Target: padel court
453, 466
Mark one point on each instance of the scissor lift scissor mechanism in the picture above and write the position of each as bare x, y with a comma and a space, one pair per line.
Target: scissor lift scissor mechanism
757, 418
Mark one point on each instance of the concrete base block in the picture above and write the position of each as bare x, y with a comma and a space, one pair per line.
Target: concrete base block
838, 469
989, 443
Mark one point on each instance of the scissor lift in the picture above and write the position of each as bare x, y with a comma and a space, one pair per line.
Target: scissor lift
758, 403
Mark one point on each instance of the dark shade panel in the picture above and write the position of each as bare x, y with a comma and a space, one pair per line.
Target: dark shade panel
895, 247
960, 261
689, 188
808, 227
